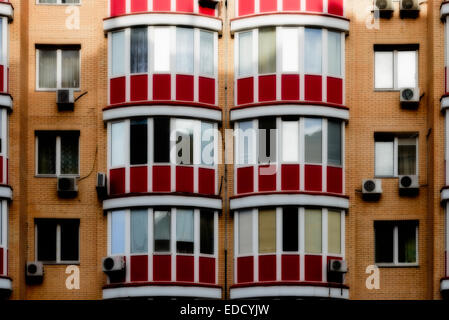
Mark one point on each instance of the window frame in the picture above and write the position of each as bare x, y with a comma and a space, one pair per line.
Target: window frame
58, 3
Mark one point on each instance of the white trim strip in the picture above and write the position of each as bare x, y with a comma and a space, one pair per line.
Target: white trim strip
5, 284
6, 10
162, 291
444, 194
5, 101
5, 192
289, 291
165, 19
444, 285
444, 103
161, 110
162, 200
284, 109
280, 20
261, 200
444, 11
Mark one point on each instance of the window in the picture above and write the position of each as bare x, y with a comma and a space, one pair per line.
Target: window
139, 142
290, 234
1, 40
384, 158
184, 231
139, 231
245, 232
395, 68
396, 242
207, 143
58, 67
118, 53
118, 143
246, 142
161, 49
139, 50
207, 232
290, 141
184, 141
334, 142
57, 153
162, 222
184, 50
207, 53
118, 232
59, 1
57, 240
313, 231
245, 53
161, 135
313, 140
334, 232
267, 50
290, 49
334, 53
1, 223
407, 156
267, 231
267, 140
313, 51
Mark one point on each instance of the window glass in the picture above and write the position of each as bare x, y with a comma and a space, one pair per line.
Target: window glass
312, 51
383, 70
334, 53
118, 143
139, 231
246, 142
161, 231
1, 40
407, 69
161, 140
245, 232
267, 140
245, 53
139, 50
47, 68
267, 50
118, 232
69, 154
161, 43
384, 242
290, 49
407, 243
206, 232
313, 140
70, 240
1, 223
184, 231
2, 142
207, 53
139, 141
290, 141
184, 141
313, 231
290, 229
46, 241
407, 157
118, 53
267, 231
70, 72
46, 154
184, 50
334, 142
334, 232
384, 158
207, 143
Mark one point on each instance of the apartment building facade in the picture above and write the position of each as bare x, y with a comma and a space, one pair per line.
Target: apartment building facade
331, 185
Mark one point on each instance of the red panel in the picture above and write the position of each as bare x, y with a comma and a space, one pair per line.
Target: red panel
118, 90
185, 268
206, 90
313, 88
245, 269
139, 179
1, 261
161, 87
314, 5
334, 179
184, 179
290, 87
267, 268
1, 169
334, 90
290, 267
139, 87
184, 5
184, 87
245, 180
117, 181
267, 88
267, 178
161, 178
206, 181
139, 5
139, 268
161, 5
291, 5
245, 90
313, 177
290, 177
2, 77
118, 7
207, 270
162, 268
206, 11
267, 5
246, 7
313, 269
335, 7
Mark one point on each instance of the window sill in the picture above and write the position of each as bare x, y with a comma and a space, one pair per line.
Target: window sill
399, 265
64, 263
387, 90
56, 176
56, 89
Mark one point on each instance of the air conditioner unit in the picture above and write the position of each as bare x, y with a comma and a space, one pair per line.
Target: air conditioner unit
371, 189
101, 186
114, 266
408, 185
409, 8
337, 266
34, 272
384, 7
65, 99
67, 187
409, 98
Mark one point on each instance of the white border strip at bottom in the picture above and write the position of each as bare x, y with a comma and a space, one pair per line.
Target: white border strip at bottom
289, 291
5, 192
5, 101
5, 284
444, 285
162, 291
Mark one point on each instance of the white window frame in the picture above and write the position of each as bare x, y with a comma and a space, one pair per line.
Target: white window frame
59, 3
396, 142
58, 71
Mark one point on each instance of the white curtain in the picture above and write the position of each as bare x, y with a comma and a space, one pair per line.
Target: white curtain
383, 64
312, 51
184, 50
313, 231
334, 53
118, 143
207, 53
246, 53
267, 50
139, 231
139, 50
245, 232
47, 68
70, 68
384, 152
334, 232
184, 225
118, 53
406, 69
161, 49
290, 141
290, 49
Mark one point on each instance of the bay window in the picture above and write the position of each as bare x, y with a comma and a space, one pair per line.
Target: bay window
184, 50
161, 49
246, 53
313, 140
313, 51
118, 53
267, 50
162, 222
139, 50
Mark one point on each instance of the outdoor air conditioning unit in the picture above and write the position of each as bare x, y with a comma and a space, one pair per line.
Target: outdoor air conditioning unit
101, 186
67, 187
114, 267
371, 189
65, 99
408, 185
409, 8
337, 266
409, 98
34, 272
385, 8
